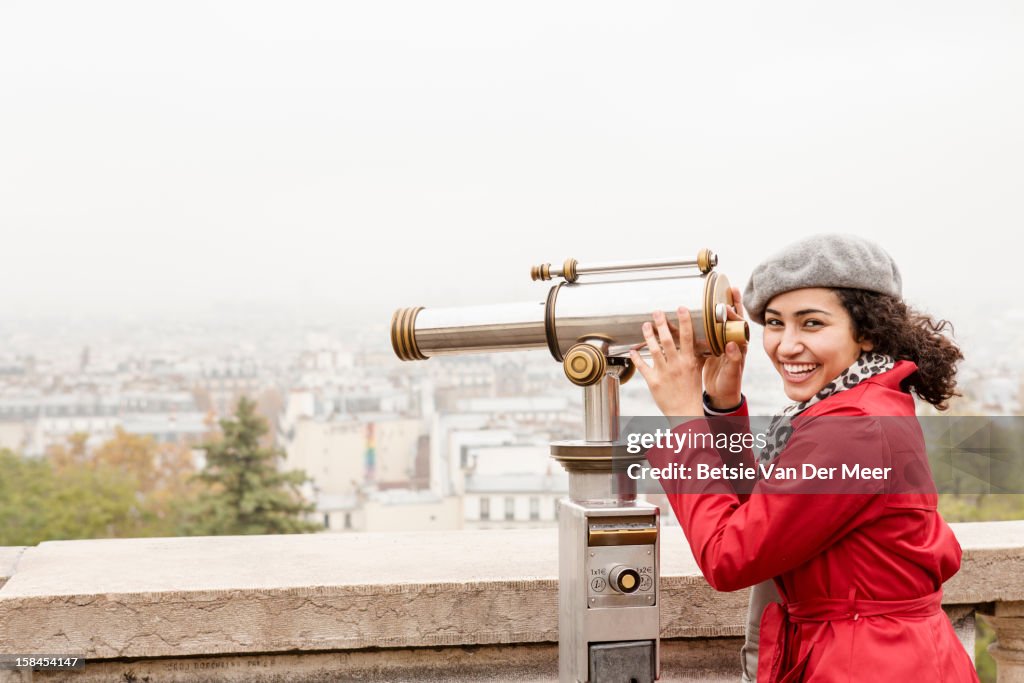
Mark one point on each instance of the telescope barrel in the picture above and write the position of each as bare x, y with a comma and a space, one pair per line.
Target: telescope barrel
420, 333
611, 311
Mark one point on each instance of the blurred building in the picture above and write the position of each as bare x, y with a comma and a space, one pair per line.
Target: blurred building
31, 423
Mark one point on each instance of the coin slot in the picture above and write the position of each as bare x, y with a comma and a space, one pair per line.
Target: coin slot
622, 531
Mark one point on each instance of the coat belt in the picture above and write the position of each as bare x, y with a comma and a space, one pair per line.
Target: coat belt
775, 625
836, 609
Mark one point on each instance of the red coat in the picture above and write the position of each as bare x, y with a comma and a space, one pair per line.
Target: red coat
860, 573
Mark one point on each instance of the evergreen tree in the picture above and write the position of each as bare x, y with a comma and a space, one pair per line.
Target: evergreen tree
246, 493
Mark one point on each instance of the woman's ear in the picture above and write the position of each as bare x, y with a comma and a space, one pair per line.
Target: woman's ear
867, 345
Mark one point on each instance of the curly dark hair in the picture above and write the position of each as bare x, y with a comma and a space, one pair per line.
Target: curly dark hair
899, 331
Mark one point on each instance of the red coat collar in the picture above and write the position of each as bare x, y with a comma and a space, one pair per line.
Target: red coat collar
893, 399
893, 378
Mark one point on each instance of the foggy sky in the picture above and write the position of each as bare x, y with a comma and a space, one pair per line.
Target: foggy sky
356, 157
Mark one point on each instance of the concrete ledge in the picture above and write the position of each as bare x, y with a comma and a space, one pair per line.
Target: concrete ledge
195, 597
9, 557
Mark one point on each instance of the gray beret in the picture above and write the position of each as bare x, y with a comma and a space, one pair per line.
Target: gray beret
822, 261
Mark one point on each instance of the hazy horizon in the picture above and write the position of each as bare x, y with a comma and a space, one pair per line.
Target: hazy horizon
164, 160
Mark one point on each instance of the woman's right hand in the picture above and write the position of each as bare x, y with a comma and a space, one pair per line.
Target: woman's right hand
723, 375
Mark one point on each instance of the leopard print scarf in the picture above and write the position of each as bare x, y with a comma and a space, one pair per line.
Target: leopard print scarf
780, 429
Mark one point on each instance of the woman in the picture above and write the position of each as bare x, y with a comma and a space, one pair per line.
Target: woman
858, 566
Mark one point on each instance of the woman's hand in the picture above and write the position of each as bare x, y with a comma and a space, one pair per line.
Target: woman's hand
723, 375
674, 378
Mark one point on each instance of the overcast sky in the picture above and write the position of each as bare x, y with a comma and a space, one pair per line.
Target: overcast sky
354, 157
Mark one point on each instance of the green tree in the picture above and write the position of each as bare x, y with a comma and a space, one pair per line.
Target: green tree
39, 502
246, 492
160, 474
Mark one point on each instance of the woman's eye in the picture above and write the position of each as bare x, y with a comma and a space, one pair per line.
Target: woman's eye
813, 323
773, 322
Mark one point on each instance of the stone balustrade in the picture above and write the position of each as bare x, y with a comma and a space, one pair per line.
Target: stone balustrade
437, 606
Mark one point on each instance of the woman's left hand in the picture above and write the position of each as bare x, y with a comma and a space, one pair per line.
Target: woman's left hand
674, 378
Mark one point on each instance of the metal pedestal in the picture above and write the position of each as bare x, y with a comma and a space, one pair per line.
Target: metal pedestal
608, 568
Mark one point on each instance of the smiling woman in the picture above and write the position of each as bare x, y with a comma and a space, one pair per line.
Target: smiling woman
845, 582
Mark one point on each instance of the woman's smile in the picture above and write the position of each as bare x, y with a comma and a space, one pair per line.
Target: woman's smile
796, 373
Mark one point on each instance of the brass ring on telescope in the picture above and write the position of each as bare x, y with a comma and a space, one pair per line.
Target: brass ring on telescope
549, 322
410, 334
407, 335
721, 332
569, 270
584, 365
394, 332
403, 334
710, 331
580, 456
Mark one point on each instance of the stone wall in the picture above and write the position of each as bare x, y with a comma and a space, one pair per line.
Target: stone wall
470, 605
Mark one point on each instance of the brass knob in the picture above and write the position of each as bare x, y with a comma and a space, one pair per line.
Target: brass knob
541, 272
584, 365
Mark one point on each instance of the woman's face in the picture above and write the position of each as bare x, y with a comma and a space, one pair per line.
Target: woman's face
808, 336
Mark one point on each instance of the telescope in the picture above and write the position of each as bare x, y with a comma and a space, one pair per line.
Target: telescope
609, 543
594, 305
